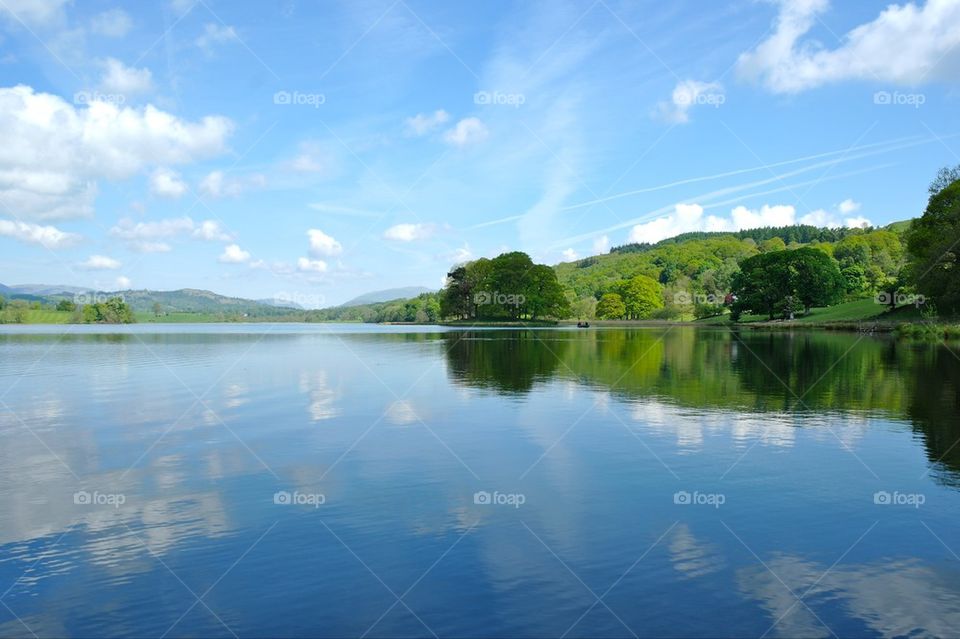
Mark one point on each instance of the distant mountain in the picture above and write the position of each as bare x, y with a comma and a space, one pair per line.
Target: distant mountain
12, 293
388, 295
275, 303
192, 300
49, 289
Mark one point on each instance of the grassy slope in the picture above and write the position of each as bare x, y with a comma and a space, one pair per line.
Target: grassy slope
44, 316
856, 311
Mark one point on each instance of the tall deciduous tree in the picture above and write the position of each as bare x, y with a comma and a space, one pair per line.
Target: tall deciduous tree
641, 295
934, 245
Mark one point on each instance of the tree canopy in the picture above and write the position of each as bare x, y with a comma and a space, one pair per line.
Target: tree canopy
934, 244
509, 287
785, 281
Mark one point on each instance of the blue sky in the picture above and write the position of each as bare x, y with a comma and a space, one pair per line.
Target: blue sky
318, 150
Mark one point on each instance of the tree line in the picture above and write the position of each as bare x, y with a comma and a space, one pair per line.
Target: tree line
507, 287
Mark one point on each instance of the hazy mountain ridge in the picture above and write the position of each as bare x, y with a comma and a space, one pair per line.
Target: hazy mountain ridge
388, 295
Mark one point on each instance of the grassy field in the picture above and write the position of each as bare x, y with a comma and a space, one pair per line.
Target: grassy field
857, 311
35, 316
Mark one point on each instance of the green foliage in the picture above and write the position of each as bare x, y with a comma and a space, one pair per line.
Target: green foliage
641, 296
785, 281
611, 306
66, 305
945, 177
934, 245
799, 233
508, 287
585, 308
112, 311
423, 309
773, 244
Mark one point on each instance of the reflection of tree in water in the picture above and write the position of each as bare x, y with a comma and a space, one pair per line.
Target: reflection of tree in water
746, 370
507, 361
811, 371
934, 406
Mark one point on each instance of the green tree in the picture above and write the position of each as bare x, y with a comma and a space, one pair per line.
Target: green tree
815, 279
543, 294
585, 308
157, 309
933, 242
772, 245
66, 305
611, 306
112, 311
766, 281
455, 299
945, 177
641, 296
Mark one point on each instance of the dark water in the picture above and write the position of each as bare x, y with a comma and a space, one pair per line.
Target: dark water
643, 483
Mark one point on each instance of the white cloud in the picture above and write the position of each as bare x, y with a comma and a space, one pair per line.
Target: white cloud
601, 245
822, 218
123, 283
216, 34
100, 263
211, 231
151, 237
48, 236
466, 131
127, 81
312, 158
167, 183
233, 254
180, 7
458, 256
848, 206
113, 23
689, 217
777, 215
217, 184
906, 44
323, 245
409, 232
686, 95
53, 152
569, 255
423, 123
857, 222
311, 266
37, 13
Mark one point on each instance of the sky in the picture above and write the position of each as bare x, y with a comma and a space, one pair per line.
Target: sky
311, 151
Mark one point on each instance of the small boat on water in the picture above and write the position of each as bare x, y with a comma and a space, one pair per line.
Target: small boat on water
583, 324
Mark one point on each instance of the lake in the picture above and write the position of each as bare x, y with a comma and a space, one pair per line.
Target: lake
340, 480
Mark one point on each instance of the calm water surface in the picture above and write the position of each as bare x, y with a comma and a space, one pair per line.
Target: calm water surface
259, 480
